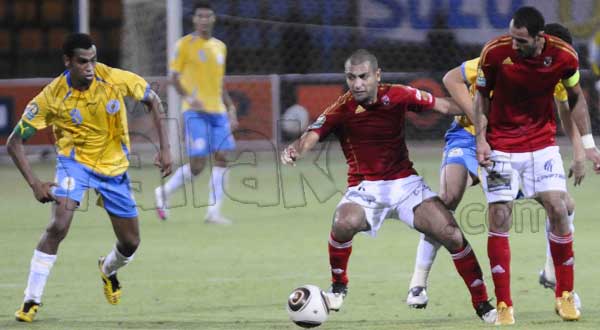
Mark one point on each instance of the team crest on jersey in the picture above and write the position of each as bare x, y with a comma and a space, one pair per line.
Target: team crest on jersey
318, 123
76, 117
385, 100
220, 59
32, 110
202, 55
113, 106
547, 61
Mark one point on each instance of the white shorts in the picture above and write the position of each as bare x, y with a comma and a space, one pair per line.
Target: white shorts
534, 172
395, 199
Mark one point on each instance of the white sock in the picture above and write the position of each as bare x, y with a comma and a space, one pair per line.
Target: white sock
41, 264
549, 266
218, 180
426, 253
181, 176
115, 260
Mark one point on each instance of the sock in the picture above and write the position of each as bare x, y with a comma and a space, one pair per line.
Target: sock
549, 266
468, 267
218, 180
426, 252
564, 260
339, 254
499, 254
181, 176
115, 260
41, 264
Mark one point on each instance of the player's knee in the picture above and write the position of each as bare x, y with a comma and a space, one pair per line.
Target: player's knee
570, 203
450, 200
57, 230
129, 245
349, 219
556, 209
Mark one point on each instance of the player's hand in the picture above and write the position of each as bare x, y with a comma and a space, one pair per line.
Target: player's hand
577, 171
289, 156
43, 191
484, 153
593, 155
162, 160
195, 103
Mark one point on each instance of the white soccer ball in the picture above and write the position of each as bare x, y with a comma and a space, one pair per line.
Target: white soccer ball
306, 306
294, 121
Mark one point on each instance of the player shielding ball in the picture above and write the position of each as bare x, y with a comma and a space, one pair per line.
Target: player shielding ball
85, 108
382, 183
516, 145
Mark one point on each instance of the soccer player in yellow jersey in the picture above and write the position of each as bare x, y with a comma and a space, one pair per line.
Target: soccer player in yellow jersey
459, 165
85, 108
209, 114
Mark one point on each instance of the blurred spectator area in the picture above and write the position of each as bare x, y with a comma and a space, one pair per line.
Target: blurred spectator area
32, 33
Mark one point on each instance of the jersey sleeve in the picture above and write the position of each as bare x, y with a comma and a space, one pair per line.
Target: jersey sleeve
468, 70
486, 72
177, 62
38, 113
131, 84
419, 100
329, 120
560, 93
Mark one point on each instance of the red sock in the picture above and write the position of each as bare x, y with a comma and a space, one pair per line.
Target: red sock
468, 267
561, 248
339, 253
499, 254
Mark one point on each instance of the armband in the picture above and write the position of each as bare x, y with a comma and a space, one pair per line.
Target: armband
24, 130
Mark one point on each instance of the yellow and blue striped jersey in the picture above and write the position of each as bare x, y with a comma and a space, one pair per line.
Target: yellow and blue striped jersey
89, 126
200, 64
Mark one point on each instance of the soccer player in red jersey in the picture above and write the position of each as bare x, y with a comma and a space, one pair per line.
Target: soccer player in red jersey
516, 145
382, 183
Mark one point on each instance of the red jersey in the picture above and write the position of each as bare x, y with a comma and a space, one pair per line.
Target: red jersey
372, 136
521, 117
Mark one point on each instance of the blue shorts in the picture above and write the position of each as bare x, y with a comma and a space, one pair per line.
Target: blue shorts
207, 133
467, 157
74, 179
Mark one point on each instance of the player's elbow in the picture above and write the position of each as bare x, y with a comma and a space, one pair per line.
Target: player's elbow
12, 143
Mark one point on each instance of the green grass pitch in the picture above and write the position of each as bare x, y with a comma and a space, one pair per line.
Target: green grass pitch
188, 275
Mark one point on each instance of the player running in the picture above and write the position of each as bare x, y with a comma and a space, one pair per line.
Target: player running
85, 108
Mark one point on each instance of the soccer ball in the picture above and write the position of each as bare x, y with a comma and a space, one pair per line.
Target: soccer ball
294, 121
306, 306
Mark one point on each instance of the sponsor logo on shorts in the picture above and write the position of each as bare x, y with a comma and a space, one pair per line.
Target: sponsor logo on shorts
455, 152
549, 176
68, 183
548, 165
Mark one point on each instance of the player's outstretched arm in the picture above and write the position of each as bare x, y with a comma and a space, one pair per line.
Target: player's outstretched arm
581, 117
447, 106
163, 157
481, 106
453, 81
14, 146
577, 169
298, 148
